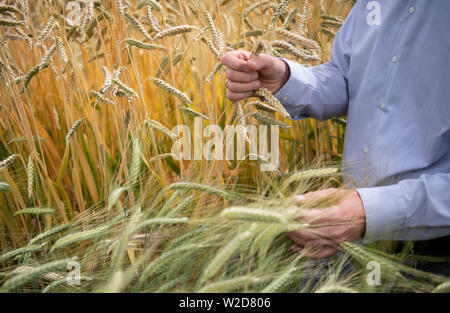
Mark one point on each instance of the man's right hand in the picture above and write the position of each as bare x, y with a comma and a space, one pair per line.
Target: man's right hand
244, 75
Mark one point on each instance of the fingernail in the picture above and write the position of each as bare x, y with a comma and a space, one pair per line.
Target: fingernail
300, 198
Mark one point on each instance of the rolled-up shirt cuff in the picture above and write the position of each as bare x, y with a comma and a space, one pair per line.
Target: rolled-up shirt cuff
385, 211
290, 94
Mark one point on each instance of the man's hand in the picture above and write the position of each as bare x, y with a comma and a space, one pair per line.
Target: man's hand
344, 221
244, 75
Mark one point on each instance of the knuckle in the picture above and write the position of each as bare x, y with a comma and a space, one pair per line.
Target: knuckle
231, 86
231, 74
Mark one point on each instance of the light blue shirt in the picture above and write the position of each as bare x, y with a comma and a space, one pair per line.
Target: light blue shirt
390, 74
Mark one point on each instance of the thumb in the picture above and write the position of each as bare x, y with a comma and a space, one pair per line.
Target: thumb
260, 62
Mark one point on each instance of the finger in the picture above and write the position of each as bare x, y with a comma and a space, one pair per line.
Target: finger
236, 60
260, 62
314, 195
297, 239
236, 96
314, 216
312, 237
317, 254
296, 248
243, 87
242, 77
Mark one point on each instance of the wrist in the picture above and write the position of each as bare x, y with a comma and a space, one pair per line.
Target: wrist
286, 74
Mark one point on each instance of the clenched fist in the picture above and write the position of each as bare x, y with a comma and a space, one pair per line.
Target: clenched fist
244, 75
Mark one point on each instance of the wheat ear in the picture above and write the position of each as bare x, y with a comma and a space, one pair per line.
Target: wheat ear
74, 128
170, 89
22, 250
8, 161
176, 30
254, 215
265, 94
226, 252
306, 42
267, 120
34, 273
37, 211
160, 127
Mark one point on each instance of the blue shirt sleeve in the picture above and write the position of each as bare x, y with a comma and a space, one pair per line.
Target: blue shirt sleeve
413, 209
321, 92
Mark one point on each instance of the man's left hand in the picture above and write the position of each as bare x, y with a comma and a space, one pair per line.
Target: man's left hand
330, 226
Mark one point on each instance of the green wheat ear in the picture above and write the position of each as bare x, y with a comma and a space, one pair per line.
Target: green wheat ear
226, 252
33, 274
37, 211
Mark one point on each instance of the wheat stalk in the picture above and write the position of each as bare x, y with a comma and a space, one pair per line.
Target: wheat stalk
153, 21
265, 94
62, 50
226, 252
37, 211
135, 162
99, 96
10, 22
254, 215
313, 173
158, 126
203, 188
282, 280
4, 186
45, 33
170, 89
74, 128
230, 284
143, 45
152, 3
46, 59
22, 250
306, 42
173, 31
138, 25
49, 233
33, 274
193, 112
294, 51
79, 236
8, 161
279, 10
30, 177
267, 120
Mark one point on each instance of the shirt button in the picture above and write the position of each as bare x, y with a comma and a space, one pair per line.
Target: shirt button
411, 10
382, 106
284, 98
395, 59
365, 150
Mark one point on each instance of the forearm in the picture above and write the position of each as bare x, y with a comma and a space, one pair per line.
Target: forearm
414, 209
319, 92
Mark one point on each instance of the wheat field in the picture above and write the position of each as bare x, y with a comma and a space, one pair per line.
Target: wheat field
90, 94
